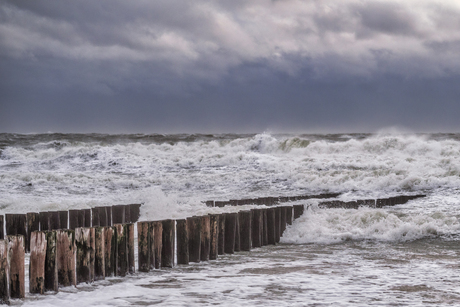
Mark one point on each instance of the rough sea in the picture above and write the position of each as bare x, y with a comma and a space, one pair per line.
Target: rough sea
406, 255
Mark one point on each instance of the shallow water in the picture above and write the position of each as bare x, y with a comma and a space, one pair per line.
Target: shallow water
407, 255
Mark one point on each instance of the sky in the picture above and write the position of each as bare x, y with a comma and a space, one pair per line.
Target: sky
229, 66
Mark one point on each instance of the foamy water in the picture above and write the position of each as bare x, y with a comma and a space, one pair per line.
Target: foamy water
406, 255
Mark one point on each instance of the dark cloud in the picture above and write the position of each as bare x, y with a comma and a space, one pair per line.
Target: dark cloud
127, 66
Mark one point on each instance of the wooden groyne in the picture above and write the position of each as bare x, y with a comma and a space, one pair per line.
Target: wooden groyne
100, 242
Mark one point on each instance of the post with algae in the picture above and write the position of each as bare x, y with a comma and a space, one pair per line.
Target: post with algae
65, 255
37, 262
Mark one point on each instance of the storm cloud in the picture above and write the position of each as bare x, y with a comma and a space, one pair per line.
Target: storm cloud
147, 66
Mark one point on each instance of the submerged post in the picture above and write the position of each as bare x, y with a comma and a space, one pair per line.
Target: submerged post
152, 245
194, 238
182, 242
158, 242
205, 238
214, 225
37, 262
130, 247
245, 219
99, 259
271, 221
257, 224
230, 230
221, 239
85, 243
122, 250
298, 211
169, 233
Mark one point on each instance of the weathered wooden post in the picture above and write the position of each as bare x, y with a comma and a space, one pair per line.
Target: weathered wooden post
182, 242
277, 224
110, 250
95, 222
103, 221
265, 228
135, 212
205, 238
63, 219
118, 214
66, 257
245, 218
158, 242
16, 255
108, 209
73, 219
257, 227
152, 245
271, 221
99, 260
85, 243
81, 218
143, 246
289, 215
4, 272
16, 224
221, 243
122, 250
194, 238
230, 232
54, 222
51, 267
130, 247
44, 221
127, 214
237, 247
37, 262
2, 233
282, 219
87, 213
33, 224
214, 225
298, 211
167, 253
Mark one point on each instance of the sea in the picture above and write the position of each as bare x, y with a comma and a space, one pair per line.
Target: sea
405, 255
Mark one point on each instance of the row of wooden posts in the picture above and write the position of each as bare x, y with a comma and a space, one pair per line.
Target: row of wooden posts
25, 224
66, 257
267, 201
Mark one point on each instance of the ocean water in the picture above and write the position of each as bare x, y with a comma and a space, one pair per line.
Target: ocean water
407, 255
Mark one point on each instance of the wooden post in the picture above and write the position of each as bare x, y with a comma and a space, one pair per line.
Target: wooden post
182, 242
127, 214
87, 218
16, 255
130, 247
2, 233
230, 230
245, 218
16, 224
54, 222
265, 228
99, 259
158, 242
289, 215
37, 262
66, 257
194, 238
109, 216
85, 243
298, 211
4, 272
237, 247
135, 212
221, 244
277, 224
205, 238
63, 219
95, 222
122, 250
214, 225
118, 214
33, 224
152, 245
167, 253
257, 227
282, 220
143, 246
103, 221
110, 250
44, 221
73, 219
51, 267
271, 221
